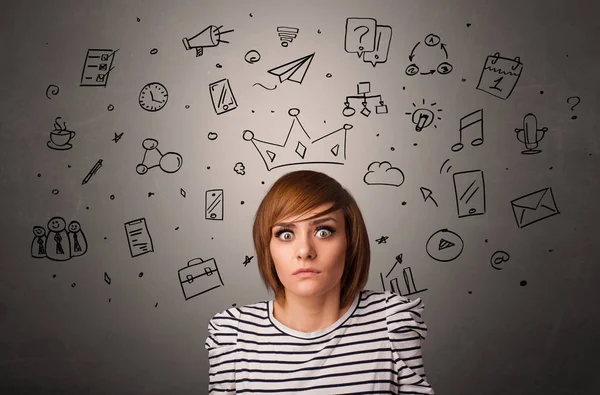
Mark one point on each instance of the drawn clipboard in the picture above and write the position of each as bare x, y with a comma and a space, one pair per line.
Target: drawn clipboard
138, 237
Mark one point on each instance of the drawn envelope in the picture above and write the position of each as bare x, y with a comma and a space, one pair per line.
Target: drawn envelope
534, 207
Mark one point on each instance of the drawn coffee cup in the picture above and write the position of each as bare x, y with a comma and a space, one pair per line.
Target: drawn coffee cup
61, 136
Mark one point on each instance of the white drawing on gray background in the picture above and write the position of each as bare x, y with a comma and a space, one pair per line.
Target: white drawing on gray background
363, 88
368, 40
444, 245
198, 277
153, 96
138, 237
169, 162
213, 204
209, 37
222, 97
530, 135
499, 75
97, 67
469, 191
383, 173
60, 136
472, 125
534, 207
60, 243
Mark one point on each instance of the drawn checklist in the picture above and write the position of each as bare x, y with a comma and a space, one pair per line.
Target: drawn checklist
97, 66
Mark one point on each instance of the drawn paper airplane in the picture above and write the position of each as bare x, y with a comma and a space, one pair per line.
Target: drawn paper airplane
294, 70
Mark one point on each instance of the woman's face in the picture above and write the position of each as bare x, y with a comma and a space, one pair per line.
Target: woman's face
318, 244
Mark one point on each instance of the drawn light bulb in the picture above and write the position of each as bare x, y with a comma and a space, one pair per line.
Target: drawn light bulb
422, 118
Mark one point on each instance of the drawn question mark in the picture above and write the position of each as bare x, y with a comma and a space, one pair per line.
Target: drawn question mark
574, 105
362, 35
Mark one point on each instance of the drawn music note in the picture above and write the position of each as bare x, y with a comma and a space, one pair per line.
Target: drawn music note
472, 122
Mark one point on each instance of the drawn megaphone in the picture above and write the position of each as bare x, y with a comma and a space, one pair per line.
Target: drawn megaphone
209, 37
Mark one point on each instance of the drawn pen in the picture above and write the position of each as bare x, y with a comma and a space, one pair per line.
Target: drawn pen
92, 172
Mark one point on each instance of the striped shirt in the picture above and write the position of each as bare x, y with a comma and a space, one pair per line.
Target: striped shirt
375, 348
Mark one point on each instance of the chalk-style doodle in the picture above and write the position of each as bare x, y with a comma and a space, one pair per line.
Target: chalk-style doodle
138, 237
169, 162
77, 240
213, 204
498, 258
499, 75
398, 262
209, 37
261, 85
471, 124
423, 117
97, 66
427, 195
60, 136
222, 97
287, 34
59, 243
577, 101
153, 96
38, 245
294, 70
117, 137
534, 207
239, 168
212, 136
382, 239
383, 173
92, 171
530, 135
107, 278
198, 277
444, 164
327, 149
252, 56
407, 287
247, 260
444, 245
363, 88
54, 89
431, 41
469, 190
365, 37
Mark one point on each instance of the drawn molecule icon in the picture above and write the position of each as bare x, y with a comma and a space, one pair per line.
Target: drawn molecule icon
169, 162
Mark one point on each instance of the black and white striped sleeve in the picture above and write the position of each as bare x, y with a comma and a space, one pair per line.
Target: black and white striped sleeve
221, 345
406, 330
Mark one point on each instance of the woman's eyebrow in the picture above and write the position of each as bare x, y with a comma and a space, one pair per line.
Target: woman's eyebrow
313, 222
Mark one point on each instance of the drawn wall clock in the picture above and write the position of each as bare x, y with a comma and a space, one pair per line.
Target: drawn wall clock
153, 96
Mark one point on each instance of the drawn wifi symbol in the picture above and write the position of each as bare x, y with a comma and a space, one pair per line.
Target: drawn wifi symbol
287, 34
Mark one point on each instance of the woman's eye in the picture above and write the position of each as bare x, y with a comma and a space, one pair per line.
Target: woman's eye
286, 235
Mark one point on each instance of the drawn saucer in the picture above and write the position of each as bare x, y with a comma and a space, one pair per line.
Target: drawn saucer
67, 146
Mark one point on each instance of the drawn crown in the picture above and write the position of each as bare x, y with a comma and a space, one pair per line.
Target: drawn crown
327, 149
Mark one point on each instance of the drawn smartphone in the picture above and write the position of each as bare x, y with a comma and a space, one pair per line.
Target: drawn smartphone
213, 204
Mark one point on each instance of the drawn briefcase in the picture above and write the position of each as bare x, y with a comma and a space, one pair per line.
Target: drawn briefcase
198, 277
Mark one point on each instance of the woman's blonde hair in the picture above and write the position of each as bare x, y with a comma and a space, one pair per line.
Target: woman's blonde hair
296, 193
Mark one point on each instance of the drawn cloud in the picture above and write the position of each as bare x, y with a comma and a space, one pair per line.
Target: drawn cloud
383, 173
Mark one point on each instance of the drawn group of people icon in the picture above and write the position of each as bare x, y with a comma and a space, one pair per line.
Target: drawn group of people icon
60, 243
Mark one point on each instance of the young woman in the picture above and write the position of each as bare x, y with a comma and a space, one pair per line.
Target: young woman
323, 333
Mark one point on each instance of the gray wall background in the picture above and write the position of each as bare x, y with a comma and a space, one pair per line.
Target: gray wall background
530, 327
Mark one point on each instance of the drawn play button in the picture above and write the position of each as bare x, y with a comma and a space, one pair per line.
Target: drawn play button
444, 245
